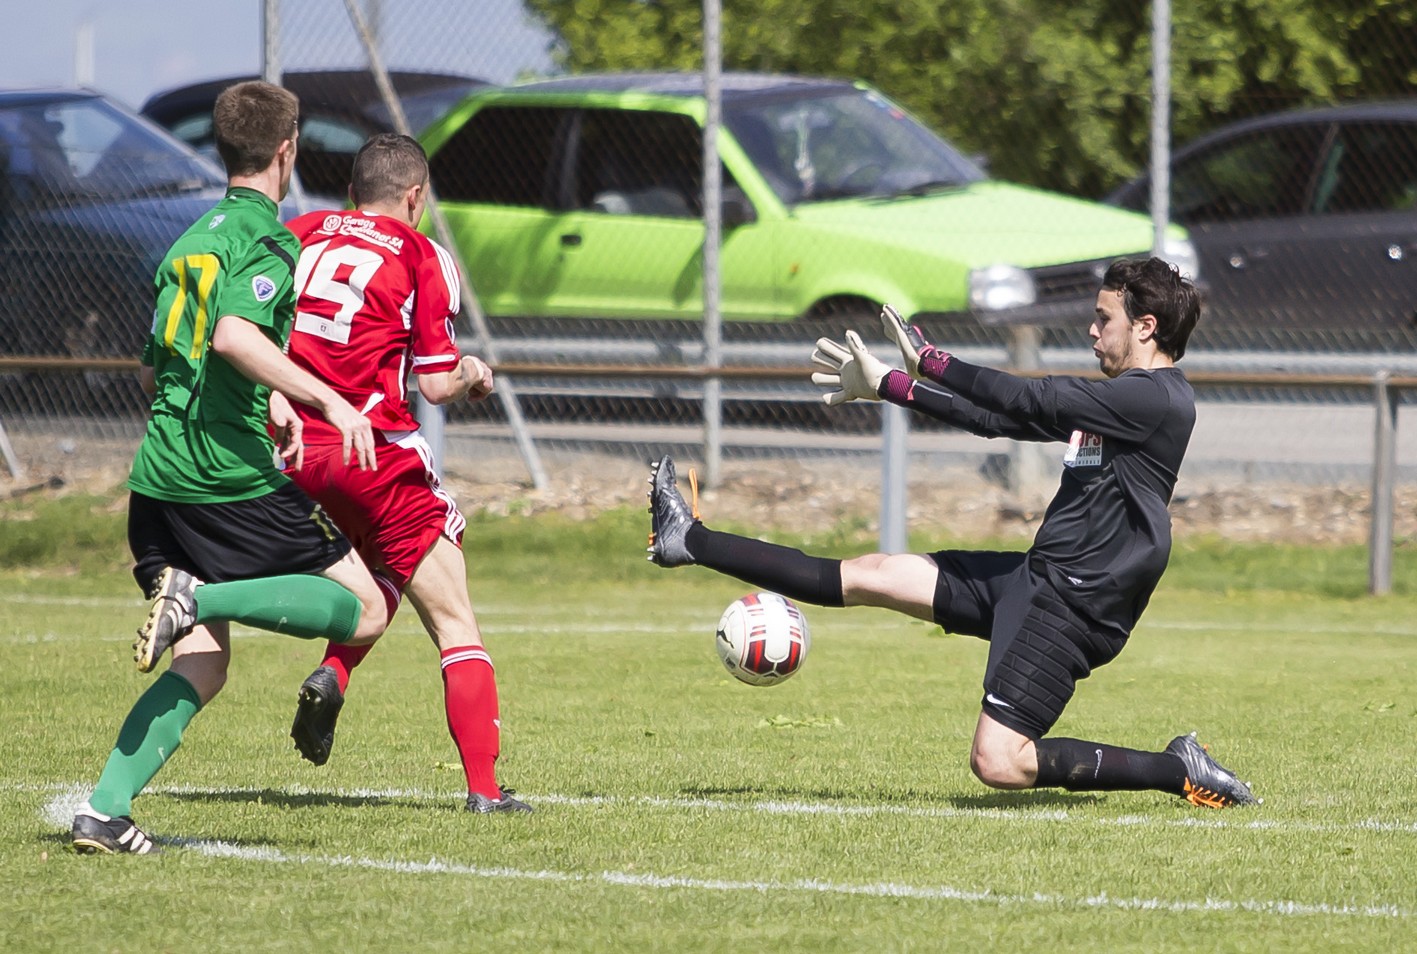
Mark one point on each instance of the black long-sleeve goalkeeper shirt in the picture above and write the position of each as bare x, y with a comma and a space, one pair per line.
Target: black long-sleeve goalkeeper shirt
1106, 536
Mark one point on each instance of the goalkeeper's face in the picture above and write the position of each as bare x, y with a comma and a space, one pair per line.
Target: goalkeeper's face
1114, 336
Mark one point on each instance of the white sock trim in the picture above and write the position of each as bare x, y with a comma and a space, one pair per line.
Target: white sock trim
470, 654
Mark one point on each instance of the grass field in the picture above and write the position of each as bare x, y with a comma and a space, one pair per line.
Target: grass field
678, 810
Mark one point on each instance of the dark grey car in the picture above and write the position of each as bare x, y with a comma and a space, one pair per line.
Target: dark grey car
1305, 223
339, 109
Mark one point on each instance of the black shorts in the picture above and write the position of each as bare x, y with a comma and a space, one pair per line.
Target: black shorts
1039, 646
281, 532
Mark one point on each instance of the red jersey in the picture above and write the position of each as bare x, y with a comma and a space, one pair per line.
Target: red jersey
376, 300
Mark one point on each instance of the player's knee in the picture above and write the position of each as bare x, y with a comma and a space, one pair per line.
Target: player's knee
863, 580
373, 619
372, 623
998, 768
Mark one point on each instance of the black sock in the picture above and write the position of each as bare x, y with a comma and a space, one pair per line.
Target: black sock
784, 570
1082, 766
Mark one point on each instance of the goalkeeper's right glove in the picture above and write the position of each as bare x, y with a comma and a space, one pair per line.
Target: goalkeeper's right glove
913, 346
850, 372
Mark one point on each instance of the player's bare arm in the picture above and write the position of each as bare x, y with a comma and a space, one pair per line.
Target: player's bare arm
471, 379
253, 354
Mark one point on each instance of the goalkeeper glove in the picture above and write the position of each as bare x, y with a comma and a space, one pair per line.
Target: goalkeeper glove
913, 346
851, 372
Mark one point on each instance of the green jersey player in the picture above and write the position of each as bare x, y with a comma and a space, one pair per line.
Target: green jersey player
217, 532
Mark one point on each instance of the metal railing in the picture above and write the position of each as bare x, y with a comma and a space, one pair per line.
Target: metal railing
786, 386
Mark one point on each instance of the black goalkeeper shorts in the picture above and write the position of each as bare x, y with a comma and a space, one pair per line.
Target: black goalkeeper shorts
278, 533
1039, 646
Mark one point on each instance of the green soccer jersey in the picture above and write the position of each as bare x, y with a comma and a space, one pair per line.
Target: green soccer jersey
206, 440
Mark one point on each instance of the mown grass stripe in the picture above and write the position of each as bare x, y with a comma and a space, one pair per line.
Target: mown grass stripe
59, 810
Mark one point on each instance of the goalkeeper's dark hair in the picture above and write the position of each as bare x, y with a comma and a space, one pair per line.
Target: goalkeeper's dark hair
386, 167
1151, 286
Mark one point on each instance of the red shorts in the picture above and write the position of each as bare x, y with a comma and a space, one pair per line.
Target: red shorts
392, 515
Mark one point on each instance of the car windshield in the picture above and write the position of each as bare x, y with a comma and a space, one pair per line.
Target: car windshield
87, 149
848, 144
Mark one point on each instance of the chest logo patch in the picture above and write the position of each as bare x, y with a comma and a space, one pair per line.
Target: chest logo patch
263, 288
1084, 450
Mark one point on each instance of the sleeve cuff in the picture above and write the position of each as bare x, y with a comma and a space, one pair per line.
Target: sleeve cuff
934, 362
896, 387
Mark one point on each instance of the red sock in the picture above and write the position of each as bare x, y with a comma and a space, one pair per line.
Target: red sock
470, 696
342, 659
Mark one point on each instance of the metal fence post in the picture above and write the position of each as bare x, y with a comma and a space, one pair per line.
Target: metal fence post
432, 423
1160, 123
1380, 534
505, 390
713, 238
7, 451
895, 433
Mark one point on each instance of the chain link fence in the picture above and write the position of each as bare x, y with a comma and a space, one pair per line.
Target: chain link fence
577, 208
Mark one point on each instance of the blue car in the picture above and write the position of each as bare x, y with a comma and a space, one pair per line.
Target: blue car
91, 196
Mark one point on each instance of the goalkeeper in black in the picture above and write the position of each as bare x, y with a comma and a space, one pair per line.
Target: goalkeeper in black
1065, 606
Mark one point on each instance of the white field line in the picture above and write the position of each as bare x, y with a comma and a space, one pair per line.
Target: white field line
398, 630
571, 613
1230, 626
886, 889
72, 794
587, 629
99, 601
540, 621
60, 810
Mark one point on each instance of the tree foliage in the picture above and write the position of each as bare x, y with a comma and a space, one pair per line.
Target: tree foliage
1054, 94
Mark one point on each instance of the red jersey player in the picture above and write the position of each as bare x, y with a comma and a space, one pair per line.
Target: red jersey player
376, 302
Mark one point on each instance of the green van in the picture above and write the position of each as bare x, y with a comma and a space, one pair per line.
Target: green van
582, 197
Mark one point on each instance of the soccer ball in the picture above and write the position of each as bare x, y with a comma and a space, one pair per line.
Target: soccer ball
762, 638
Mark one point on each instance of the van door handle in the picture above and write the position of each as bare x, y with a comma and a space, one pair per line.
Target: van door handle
571, 239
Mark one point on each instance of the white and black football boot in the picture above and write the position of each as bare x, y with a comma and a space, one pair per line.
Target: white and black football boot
172, 615
95, 833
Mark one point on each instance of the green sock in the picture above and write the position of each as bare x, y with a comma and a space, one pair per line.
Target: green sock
150, 734
303, 605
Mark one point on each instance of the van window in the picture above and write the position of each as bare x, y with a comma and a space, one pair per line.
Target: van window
501, 156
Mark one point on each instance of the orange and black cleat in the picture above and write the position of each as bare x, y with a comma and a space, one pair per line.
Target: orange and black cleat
1208, 783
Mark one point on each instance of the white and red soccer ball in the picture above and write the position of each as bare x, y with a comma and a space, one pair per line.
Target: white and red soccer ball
762, 638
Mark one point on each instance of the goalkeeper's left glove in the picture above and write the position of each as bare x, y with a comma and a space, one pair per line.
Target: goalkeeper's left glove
913, 347
852, 373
